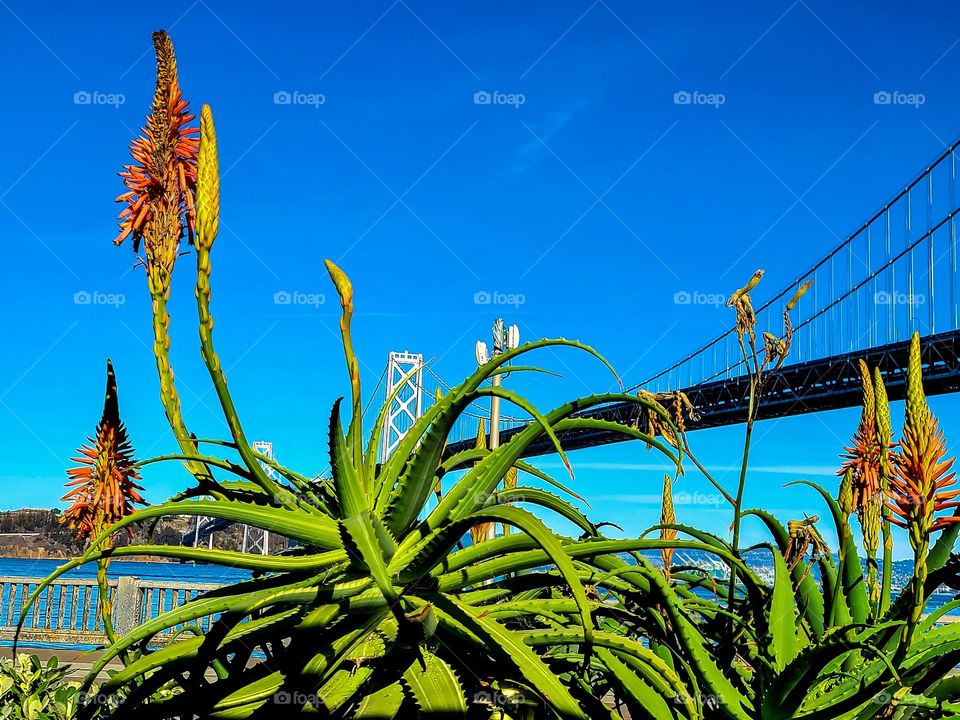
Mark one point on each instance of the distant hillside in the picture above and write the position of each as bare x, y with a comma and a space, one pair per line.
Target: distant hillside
37, 533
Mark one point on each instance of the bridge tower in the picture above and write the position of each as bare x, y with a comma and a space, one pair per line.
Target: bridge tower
404, 371
199, 524
257, 540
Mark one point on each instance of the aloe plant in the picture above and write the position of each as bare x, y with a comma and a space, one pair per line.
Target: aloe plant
378, 612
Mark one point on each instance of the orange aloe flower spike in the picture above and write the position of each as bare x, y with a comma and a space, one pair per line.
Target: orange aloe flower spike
104, 484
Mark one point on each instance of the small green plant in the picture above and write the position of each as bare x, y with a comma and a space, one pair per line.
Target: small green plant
30, 690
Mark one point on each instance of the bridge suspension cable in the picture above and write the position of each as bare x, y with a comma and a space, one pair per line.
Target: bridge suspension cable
878, 285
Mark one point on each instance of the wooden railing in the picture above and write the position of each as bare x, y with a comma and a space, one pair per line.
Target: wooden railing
68, 610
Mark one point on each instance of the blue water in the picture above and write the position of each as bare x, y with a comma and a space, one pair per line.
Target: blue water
18, 567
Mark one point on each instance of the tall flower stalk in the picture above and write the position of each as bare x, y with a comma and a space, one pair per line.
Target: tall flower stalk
208, 226
862, 464
917, 489
885, 441
104, 488
776, 350
159, 211
668, 518
480, 531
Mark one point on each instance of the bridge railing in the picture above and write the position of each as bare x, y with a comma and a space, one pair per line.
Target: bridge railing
68, 611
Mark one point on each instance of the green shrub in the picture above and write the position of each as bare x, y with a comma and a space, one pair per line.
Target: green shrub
30, 690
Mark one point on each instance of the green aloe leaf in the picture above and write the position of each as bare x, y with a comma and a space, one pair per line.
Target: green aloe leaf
809, 598
380, 704
851, 573
782, 618
464, 621
435, 687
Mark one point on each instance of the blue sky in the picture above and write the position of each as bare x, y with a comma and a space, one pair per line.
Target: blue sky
582, 187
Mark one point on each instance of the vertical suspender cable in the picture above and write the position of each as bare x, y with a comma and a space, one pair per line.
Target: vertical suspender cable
953, 244
931, 319
910, 260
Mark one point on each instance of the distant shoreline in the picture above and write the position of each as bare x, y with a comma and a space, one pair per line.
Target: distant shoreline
68, 556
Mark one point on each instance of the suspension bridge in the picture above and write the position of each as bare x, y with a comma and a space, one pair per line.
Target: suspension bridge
253, 539
896, 274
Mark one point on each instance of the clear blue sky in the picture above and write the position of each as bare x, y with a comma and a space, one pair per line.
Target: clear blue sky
596, 198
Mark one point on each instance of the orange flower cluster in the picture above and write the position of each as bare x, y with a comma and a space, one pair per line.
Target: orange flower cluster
864, 457
162, 181
104, 485
921, 470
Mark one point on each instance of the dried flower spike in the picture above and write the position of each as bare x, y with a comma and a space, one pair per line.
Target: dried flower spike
798, 294
751, 284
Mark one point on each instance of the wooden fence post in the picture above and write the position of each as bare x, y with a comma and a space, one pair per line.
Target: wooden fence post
126, 605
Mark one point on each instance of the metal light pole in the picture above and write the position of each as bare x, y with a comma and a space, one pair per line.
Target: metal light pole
503, 339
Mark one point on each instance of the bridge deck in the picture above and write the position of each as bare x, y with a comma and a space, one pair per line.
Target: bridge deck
826, 384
